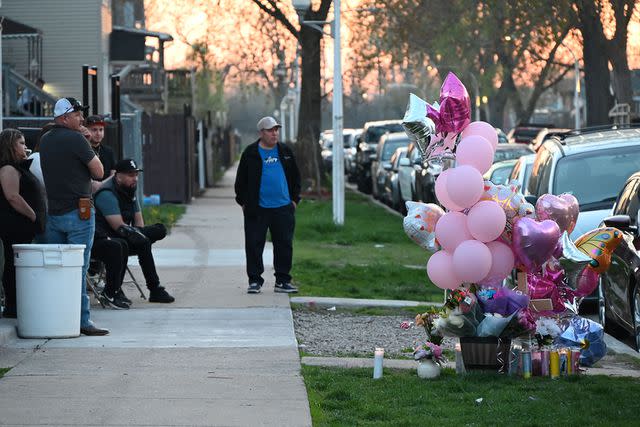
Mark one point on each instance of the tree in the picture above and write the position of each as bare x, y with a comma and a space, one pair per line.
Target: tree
310, 116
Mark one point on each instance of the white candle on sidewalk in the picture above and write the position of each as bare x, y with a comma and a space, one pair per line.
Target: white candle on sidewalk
377, 362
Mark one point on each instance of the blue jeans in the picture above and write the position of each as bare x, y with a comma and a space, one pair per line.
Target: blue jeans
70, 229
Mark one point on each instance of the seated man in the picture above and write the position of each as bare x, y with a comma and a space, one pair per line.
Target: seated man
118, 217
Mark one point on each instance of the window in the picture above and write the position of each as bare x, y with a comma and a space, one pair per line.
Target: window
391, 146
595, 177
541, 165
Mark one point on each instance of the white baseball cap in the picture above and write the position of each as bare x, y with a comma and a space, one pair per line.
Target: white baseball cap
67, 105
268, 123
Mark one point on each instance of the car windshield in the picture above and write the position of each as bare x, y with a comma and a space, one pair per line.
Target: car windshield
501, 174
596, 177
390, 148
375, 132
501, 155
527, 174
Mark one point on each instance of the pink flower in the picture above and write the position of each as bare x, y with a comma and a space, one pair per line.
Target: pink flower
405, 325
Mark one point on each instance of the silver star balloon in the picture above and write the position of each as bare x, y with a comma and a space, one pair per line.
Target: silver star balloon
418, 126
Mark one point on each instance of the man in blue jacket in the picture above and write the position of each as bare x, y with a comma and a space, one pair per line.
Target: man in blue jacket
268, 190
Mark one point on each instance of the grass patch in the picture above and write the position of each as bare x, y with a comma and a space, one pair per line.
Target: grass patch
371, 311
4, 371
369, 257
167, 214
346, 397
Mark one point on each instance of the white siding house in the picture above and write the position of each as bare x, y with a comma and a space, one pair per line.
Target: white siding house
74, 33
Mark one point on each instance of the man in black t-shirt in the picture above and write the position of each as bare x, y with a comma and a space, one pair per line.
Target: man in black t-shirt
68, 164
96, 124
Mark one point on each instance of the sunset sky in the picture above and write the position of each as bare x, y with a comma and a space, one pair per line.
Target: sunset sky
188, 19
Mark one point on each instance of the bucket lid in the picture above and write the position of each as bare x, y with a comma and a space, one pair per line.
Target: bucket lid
47, 247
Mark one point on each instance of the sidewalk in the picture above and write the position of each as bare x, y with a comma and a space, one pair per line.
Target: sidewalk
217, 356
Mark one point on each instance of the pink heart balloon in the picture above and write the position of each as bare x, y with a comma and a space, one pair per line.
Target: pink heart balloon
562, 209
534, 242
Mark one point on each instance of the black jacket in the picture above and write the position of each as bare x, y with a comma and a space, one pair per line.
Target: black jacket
127, 205
249, 174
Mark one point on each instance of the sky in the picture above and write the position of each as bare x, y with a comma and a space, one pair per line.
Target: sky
188, 18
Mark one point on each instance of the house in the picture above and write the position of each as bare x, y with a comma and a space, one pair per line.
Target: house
106, 34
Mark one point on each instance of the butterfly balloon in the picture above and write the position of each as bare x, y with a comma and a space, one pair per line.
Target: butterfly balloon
599, 244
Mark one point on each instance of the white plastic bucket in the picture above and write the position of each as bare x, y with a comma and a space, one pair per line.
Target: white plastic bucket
48, 280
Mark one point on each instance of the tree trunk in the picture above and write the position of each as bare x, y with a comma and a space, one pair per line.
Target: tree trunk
309, 123
596, 65
621, 75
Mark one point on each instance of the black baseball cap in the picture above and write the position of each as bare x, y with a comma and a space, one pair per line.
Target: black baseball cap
94, 120
127, 165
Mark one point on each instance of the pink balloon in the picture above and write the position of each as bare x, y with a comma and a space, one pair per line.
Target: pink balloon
502, 262
482, 129
440, 271
451, 230
441, 192
486, 220
475, 151
471, 261
587, 281
464, 186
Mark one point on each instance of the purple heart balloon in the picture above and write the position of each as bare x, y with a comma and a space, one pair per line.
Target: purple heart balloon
534, 242
562, 209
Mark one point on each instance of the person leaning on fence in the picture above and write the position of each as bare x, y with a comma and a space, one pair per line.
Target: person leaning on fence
22, 208
267, 187
120, 231
68, 165
96, 125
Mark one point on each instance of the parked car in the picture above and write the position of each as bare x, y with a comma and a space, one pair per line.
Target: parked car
545, 134
526, 133
510, 151
522, 171
407, 169
619, 287
326, 142
391, 188
366, 149
502, 137
388, 144
350, 142
499, 172
592, 165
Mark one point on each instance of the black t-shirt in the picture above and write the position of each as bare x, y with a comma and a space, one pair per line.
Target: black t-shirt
107, 157
64, 157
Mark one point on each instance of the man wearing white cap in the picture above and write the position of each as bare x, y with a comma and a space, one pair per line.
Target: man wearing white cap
268, 189
68, 164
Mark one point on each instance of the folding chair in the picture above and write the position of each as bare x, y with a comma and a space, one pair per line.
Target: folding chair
96, 281
135, 282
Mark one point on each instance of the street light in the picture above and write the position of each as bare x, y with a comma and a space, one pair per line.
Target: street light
301, 6
576, 90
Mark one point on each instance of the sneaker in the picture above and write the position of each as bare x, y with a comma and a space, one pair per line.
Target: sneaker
286, 288
115, 301
254, 288
123, 297
159, 294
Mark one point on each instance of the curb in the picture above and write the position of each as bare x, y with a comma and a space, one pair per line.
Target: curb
357, 302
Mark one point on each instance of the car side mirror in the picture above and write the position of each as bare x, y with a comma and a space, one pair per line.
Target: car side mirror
404, 162
387, 166
373, 157
621, 222
530, 198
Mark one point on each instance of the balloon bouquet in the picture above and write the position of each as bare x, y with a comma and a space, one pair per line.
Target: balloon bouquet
489, 230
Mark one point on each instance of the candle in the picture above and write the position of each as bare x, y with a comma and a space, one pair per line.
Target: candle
526, 363
514, 359
459, 362
536, 363
564, 362
575, 361
554, 364
544, 365
377, 362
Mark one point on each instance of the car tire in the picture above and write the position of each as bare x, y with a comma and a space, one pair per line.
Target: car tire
635, 306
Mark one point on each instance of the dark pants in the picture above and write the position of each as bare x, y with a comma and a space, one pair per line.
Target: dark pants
114, 253
9, 276
281, 223
145, 257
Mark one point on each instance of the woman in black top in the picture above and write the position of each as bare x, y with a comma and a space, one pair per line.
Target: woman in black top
22, 207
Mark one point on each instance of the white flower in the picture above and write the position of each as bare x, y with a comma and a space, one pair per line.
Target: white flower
547, 326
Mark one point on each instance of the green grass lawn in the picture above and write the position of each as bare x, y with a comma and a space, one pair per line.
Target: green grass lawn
167, 214
349, 397
369, 257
